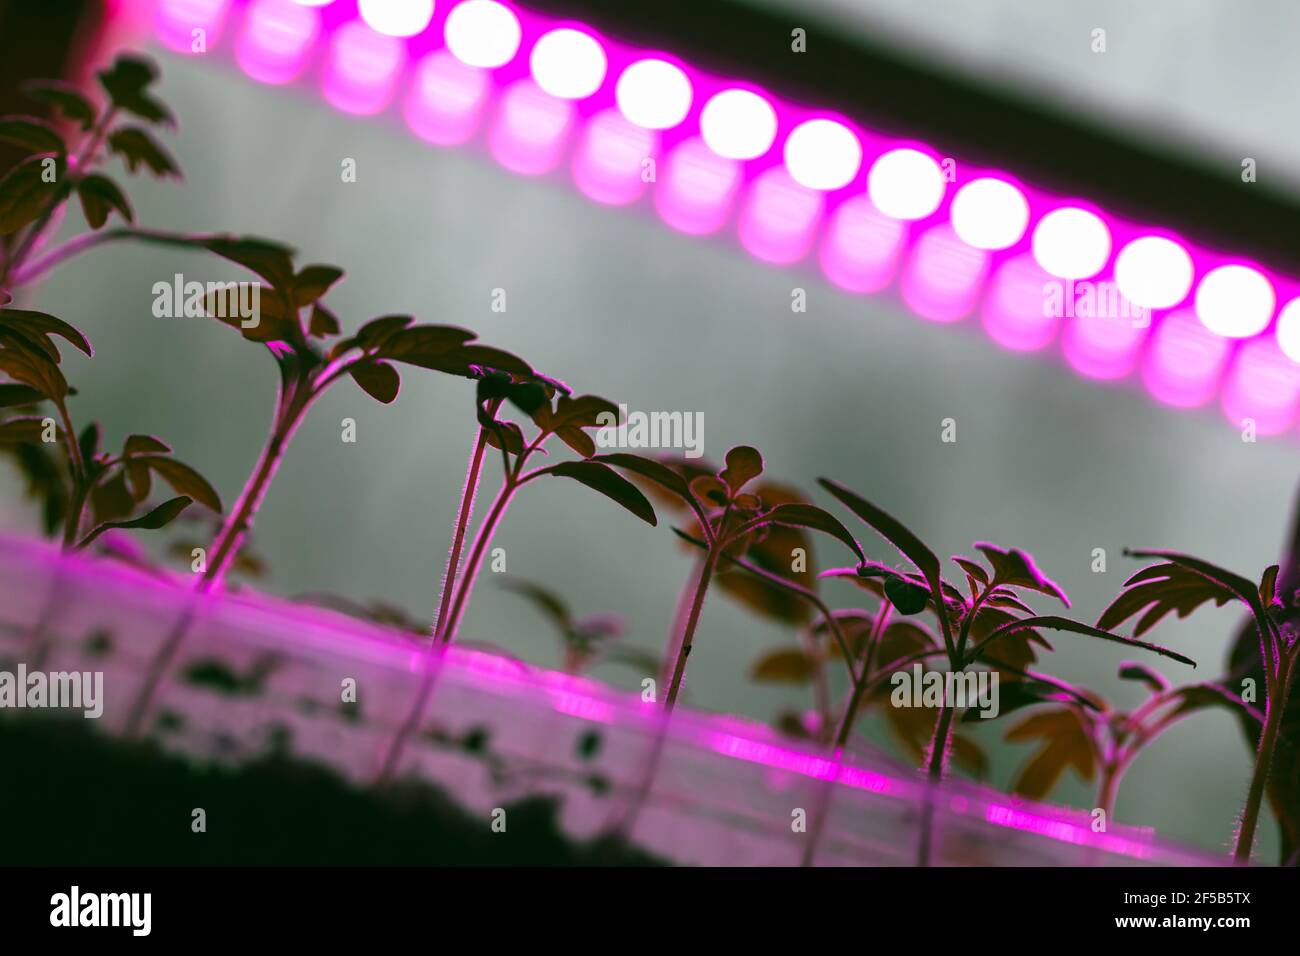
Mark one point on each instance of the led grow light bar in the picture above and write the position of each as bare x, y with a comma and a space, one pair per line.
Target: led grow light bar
1124, 300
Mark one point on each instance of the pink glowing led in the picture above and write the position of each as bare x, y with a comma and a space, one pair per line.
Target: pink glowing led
780, 218
276, 40
190, 26
531, 129
446, 99
610, 164
698, 189
1020, 311
713, 151
862, 247
1105, 344
1185, 361
1263, 388
944, 276
362, 69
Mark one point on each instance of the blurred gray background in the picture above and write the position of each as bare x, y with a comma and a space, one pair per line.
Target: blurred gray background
619, 305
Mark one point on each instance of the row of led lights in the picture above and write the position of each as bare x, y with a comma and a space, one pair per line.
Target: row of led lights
820, 155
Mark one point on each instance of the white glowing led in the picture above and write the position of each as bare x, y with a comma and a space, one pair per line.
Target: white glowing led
1154, 272
906, 184
653, 94
482, 33
568, 64
1071, 243
822, 154
1235, 301
989, 214
738, 124
313, 3
396, 18
1288, 330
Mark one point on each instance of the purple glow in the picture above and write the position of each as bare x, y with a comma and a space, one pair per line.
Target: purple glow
176, 23
362, 69
277, 37
863, 246
699, 188
1018, 312
779, 218
944, 276
1263, 386
446, 99
1016, 819
531, 129
787, 178
1185, 361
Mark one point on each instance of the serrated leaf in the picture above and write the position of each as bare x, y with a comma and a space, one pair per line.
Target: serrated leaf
1067, 743
127, 83
100, 196
1017, 569
609, 483
1159, 590
41, 323
800, 515
25, 194
137, 147
145, 445
1050, 622
65, 97
33, 134
270, 260
323, 322
313, 282
379, 380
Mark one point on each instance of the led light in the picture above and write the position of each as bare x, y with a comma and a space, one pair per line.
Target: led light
1071, 243
738, 124
779, 218
1288, 330
313, 3
822, 154
608, 163
698, 189
362, 69
906, 184
862, 246
944, 276
1154, 272
1105, 345
568, 64
446, 99
1235, 301
1263, 388
531, 129
276, 39
1185, 361
177, 20
990, 214
1017, 313
396, 18
653, 94
482, 33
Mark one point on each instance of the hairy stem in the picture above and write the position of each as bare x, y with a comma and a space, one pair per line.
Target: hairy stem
467, 499
1274, 708
73, 247
688, 632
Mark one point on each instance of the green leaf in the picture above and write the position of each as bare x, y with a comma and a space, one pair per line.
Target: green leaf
145, 445
1243, 588
159, 517
609, 483
1067, 743
21, 430
907, 597
1017, 569
800, 515
783, 665
184, 479
100, 196
25, 194
127, 81
1154, 680
323, 322
41, 323
64, 97
743, 465
1268, 584
650, 469
550, 604
377, 331
1065, 624
34, 135
270, 260
16, 395
973, 568
313, 282
379, 380
137, 147
1161, 589
33, 367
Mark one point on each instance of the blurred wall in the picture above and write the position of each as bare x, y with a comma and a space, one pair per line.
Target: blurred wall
620, 306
